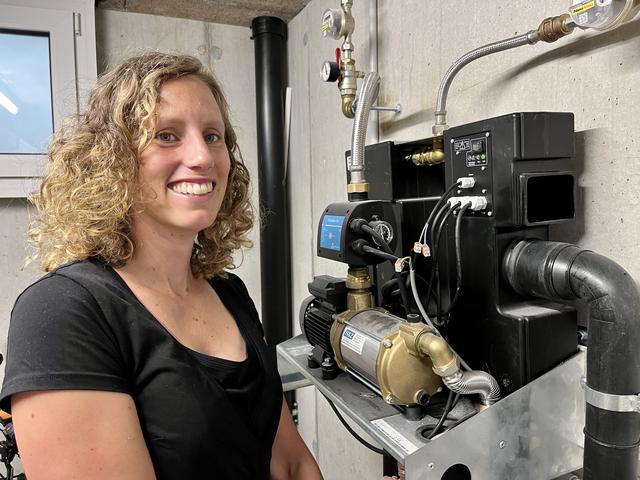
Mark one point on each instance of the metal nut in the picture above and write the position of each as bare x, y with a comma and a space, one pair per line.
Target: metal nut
386, 343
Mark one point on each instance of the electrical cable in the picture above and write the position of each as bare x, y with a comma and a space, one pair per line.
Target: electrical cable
460, 420
456, 296
436, 218
385, 246
379, 240
421, 308
379, 253
437, 206
425, 316
447, 409
403, 292
351, 430
436, 247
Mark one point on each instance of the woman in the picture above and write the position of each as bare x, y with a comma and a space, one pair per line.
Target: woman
137, 356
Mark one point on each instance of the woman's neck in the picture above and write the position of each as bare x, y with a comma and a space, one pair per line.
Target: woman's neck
161, 260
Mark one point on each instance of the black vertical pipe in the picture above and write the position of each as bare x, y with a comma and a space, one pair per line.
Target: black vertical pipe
270, 36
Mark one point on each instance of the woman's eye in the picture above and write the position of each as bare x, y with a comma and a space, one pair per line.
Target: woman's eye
211, 137
166, 137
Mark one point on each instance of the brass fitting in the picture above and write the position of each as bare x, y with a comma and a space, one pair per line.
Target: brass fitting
445, 362
359, 300
420, 340
358, 187
358, 282
431, 157
554, 28
347, 103
358, 278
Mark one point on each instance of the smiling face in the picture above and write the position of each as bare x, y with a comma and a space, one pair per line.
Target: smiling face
183, 172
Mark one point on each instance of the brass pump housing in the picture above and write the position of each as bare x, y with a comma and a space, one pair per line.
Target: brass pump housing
405, 373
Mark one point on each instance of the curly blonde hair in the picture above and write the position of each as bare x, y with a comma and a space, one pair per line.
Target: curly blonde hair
89, 188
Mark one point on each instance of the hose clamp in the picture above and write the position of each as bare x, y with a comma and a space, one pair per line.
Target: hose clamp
609, 401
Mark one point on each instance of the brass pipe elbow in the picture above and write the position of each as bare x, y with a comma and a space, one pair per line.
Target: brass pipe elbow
347, 103
445, 362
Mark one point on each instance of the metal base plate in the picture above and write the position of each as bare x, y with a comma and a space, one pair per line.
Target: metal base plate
535, 433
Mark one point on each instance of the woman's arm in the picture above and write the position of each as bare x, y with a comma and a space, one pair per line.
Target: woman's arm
290, 457
69, 434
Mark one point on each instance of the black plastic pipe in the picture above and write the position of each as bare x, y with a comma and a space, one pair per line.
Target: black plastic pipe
270, 37
565, 272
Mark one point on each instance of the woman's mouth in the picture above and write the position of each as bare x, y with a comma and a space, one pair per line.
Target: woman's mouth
187, 188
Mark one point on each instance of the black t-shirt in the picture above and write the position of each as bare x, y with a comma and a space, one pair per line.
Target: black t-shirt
81, 327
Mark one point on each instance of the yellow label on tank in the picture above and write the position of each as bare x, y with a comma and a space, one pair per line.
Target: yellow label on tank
583, 8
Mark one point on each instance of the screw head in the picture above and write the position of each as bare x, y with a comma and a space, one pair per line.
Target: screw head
432, 466
386, 343
483, 168
502, 444
389, 399
452, 140
487, 134
484, 190
489, 213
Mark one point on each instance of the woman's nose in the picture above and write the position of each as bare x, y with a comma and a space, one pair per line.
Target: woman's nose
198, 154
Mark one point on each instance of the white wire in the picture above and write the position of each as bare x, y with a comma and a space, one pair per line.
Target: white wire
423, 312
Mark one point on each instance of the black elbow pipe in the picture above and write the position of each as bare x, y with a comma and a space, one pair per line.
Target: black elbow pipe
565, 272
270, 36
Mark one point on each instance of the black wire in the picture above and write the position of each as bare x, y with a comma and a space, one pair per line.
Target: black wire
404, 295
443, 199
460, 420
456, 296
351, 431
379, 253
436, 219
435, 248
447, 409
384, 245
437, 206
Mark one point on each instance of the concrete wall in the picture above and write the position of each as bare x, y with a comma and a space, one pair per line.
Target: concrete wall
227, 50
595, 75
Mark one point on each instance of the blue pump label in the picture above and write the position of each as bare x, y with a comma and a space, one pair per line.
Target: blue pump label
353, 340
331, 232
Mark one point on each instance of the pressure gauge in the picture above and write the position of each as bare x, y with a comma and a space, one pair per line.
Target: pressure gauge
330, 71
603, 14
384, 229
332, 23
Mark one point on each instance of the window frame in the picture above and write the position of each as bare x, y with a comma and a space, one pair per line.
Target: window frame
73, 70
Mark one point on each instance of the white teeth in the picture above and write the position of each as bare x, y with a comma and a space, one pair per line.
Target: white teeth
192, 188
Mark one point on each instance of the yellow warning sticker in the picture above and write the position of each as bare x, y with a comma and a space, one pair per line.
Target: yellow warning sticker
583, 8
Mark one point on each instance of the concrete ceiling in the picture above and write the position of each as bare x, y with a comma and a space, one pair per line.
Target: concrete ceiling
230, 12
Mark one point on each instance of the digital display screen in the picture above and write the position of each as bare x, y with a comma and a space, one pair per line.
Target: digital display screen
331, 232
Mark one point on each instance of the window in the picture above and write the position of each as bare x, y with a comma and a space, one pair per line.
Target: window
26, 112
40, 77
